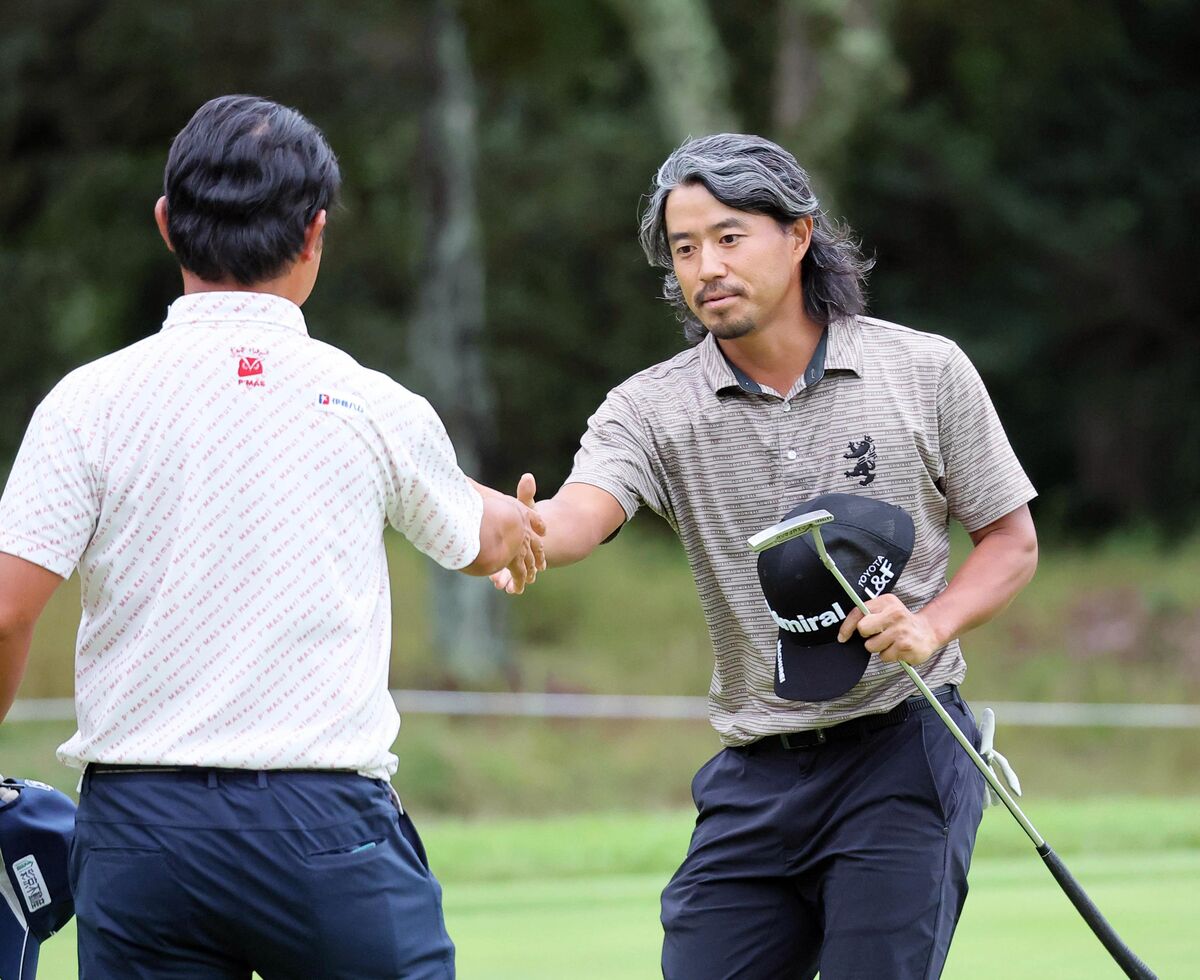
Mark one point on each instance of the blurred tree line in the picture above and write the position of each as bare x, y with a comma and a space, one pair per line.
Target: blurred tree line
1027, 175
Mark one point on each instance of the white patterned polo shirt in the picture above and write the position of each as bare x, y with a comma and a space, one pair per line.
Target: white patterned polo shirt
222, 487
881, 410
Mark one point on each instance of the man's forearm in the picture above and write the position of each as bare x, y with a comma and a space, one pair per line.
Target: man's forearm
578, 519
25, 588
999, 566
14, 655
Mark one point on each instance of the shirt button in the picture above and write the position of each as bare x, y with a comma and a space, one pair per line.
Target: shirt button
791, 454
787, 406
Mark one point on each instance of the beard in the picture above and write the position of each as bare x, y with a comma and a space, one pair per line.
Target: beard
730, 329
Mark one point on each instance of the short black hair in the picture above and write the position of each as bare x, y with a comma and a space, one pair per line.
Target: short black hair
244, 179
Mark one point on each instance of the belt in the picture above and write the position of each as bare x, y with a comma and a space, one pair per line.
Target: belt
130, 767
856, 729
212, 775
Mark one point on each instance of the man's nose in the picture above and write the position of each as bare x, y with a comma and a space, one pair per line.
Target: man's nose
712, 265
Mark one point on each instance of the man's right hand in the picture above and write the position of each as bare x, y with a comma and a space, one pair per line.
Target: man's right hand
523, 569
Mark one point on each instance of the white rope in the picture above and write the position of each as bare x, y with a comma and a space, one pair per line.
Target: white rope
1034, 714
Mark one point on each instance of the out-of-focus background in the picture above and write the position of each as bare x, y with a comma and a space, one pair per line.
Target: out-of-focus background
1027, 177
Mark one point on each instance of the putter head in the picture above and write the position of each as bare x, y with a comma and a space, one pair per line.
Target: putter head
793, 527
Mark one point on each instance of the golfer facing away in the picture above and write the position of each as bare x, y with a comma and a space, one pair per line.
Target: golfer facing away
835, 828
222, 488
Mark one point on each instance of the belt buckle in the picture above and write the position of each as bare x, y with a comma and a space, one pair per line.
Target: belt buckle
804, 740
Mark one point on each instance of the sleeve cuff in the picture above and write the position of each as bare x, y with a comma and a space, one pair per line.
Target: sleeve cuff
38, 554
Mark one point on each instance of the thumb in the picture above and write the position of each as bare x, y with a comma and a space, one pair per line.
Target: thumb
526, 489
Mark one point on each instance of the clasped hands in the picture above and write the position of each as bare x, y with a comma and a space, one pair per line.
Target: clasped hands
531, 559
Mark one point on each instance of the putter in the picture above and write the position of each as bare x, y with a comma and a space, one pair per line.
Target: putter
810, 523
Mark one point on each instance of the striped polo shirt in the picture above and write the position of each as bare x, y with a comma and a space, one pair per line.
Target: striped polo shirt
222, 487
881, 410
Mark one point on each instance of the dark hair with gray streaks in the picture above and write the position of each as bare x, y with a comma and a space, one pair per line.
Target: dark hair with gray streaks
752, 174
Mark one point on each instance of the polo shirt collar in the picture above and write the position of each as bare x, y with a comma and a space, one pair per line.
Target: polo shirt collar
840, 348
236, 308
845, 349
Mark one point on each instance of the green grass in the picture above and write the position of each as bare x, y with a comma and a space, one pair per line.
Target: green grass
578, 896
530, 767
1118, 621
575, 826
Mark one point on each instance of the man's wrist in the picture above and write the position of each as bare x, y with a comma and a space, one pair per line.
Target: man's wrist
939, 632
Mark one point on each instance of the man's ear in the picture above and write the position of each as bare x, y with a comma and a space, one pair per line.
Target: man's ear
801, 237
313, 237
160, 219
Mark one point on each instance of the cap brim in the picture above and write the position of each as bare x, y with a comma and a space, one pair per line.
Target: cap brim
18, 947
818, 673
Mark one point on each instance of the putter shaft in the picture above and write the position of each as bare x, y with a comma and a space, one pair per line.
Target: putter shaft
1091, 914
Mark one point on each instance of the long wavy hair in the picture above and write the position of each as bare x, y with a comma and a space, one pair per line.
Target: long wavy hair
752, 174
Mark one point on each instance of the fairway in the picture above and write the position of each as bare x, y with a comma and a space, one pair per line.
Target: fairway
1016, 924
531, 900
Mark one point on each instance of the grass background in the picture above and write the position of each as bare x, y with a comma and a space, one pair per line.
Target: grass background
553, 838
577, 896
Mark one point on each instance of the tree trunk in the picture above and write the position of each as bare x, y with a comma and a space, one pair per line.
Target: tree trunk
834, 62
445, 341
683, 57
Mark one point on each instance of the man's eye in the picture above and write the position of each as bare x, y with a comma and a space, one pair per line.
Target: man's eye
729, 239
683, 250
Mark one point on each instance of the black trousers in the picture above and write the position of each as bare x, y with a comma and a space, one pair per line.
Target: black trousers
850, 857
205, 874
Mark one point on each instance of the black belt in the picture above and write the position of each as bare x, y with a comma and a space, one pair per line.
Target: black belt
856, 729
211, 774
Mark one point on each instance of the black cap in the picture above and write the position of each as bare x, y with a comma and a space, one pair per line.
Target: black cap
870, 541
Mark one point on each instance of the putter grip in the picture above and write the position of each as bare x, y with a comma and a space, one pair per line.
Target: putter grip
1125, 957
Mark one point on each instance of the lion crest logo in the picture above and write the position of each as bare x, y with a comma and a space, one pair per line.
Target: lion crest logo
864, 455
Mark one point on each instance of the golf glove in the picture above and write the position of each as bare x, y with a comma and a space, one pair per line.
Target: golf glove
7, 795
987, 751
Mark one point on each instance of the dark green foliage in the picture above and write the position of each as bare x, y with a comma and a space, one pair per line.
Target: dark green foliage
1033, 197
1031, 193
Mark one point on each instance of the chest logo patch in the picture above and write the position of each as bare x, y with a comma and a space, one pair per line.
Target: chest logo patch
249, 366
863, 467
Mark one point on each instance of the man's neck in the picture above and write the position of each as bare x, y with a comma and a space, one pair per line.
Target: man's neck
775, 358
284, 286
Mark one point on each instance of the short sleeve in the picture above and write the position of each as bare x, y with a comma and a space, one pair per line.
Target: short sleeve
983, 480
50, 505
617, 455
430, 499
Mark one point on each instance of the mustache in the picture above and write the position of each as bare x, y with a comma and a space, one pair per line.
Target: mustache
716, 289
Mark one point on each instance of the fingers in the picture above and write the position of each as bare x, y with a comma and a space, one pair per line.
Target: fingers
890, 630
526, 489
530, 560
537, 523
849, 625
539, 552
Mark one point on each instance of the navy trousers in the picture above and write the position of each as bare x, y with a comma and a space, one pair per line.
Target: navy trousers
849, 858
203, 873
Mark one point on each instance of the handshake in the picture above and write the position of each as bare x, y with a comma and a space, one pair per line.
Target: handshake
560, 530
511, 538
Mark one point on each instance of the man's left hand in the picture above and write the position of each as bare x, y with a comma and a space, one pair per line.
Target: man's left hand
892, 630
